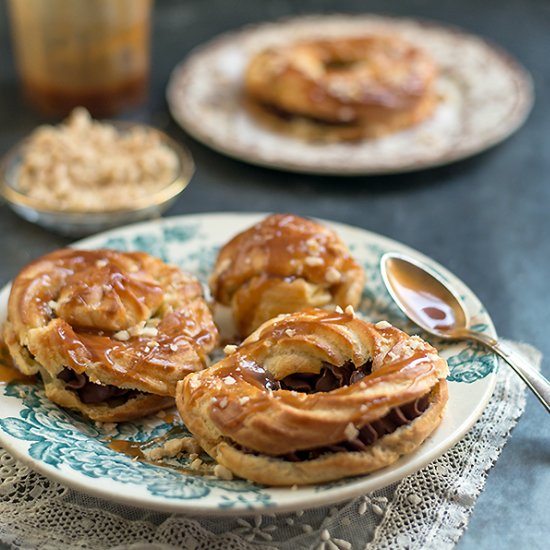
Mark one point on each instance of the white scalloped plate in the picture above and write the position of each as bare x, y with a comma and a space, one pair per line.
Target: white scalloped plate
73, 451
485, 96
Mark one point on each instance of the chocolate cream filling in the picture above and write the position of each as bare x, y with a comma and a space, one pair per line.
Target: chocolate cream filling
89, 392
287, 116
331, 378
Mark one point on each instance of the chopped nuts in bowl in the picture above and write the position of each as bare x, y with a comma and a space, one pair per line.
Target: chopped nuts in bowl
84, 176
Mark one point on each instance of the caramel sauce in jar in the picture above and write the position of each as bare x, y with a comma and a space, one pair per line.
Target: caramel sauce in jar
53, 99
82, 53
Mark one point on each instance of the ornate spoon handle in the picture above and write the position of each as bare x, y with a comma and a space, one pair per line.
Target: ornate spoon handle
536, 381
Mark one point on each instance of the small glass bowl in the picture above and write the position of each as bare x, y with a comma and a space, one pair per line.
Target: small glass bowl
78, 223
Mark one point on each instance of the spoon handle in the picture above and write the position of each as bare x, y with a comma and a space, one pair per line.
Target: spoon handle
536, 381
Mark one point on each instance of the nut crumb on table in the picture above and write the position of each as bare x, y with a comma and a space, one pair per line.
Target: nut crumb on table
173, 447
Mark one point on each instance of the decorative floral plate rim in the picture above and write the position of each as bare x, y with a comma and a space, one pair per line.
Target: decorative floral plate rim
486, 96
73, 451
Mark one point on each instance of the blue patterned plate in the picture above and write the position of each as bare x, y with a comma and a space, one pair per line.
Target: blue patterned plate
75, 452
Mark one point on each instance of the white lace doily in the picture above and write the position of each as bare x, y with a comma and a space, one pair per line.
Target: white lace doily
427, 510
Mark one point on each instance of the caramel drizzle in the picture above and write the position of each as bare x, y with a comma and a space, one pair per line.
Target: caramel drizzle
281, 238
366, 60
136, 451
287, 116
228, 413
82, 345
132, 449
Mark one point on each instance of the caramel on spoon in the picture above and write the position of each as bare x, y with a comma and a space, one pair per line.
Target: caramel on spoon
428, 301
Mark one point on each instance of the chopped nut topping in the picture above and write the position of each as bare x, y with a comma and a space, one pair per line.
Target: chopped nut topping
332, 275
351, 432
314, 260
382, 325
173, 347
416, 343
149, 332
196, 464
350, 311
229, 349
173, 447
122, 335
222, 403
243, 400
101, 263
229, 380
313, 245
338, 309
392, 356
86, 165
222, 472
137, 329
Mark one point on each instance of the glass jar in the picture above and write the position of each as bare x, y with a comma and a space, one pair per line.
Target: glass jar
81, 52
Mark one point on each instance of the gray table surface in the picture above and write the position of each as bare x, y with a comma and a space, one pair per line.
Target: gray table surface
487, 218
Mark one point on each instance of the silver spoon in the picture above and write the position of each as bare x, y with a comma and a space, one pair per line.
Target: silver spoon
426, 300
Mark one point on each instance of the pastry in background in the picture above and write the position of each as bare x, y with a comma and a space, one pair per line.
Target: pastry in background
283, 264
316, 396
109, 332
341, 89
